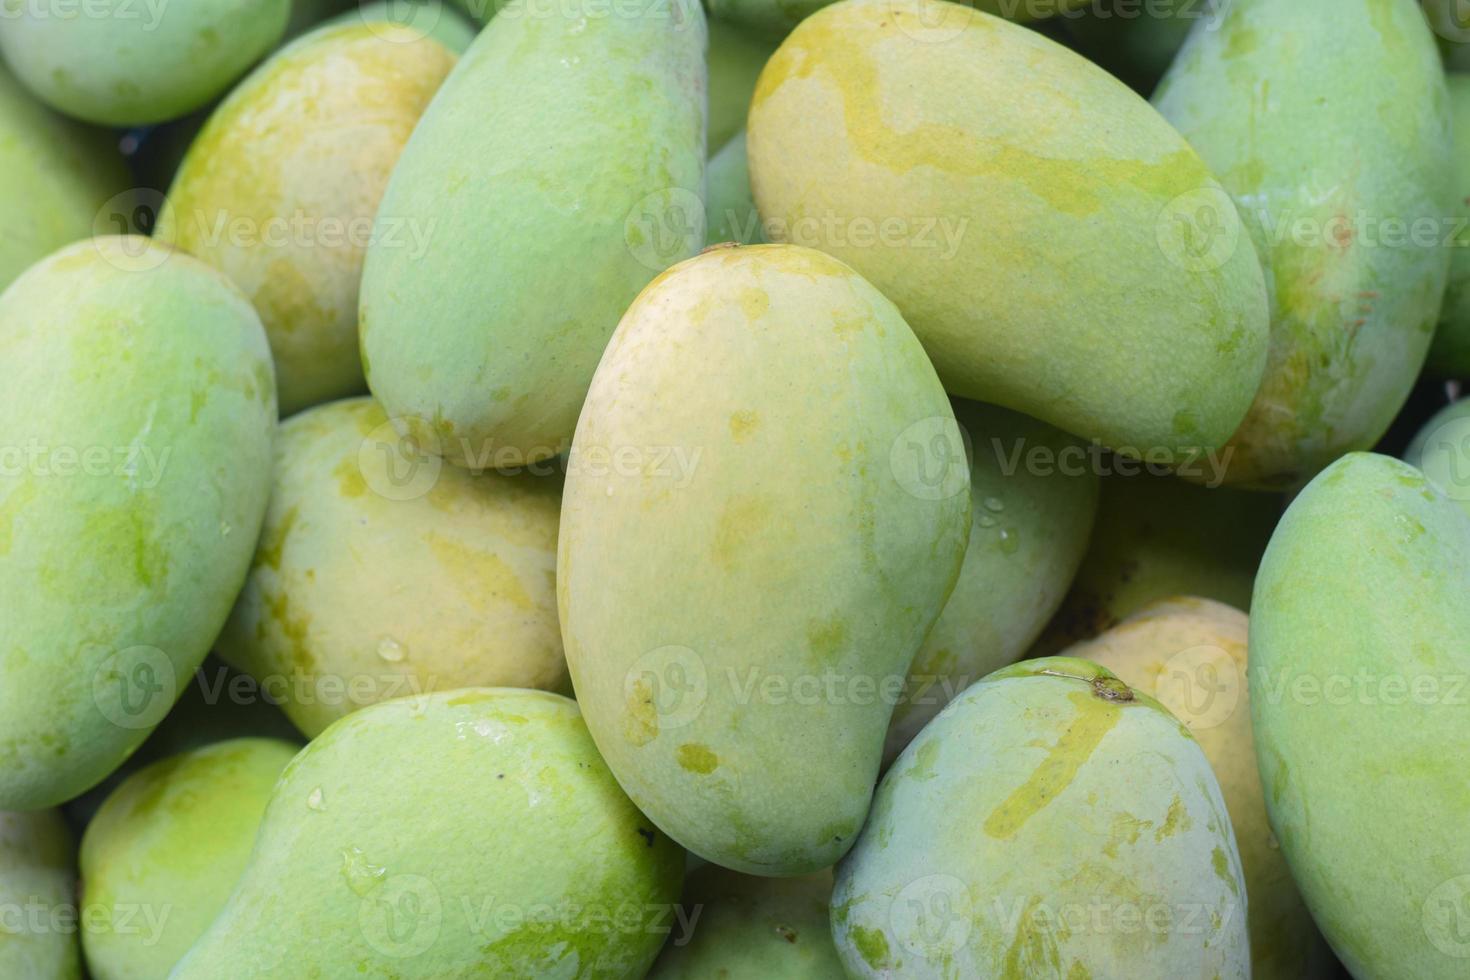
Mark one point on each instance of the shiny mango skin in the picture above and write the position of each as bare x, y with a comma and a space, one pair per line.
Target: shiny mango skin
363, 589
753, 928
1190, 654
781, 556
1449, 354
138, 63
428, 18
1331, 113
119, 572
164, 852
1441, 450
433, 837
38, 868
1028, 251
1357, 669
1044, 796
310, 137
541, 173
735, 60
55, 175
729, 209
1030, 530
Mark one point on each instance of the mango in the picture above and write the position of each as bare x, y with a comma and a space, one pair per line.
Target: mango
1449, 354
1028, 236
55, 176
775, 18
739, 675
1327, 122
557, 172
1190, 654
38, 938
139, 403
165, 851
458, 572
1033, 501
753, 929
1157, 537
122, 63
1441, 450
734, 62
280, 189
523, 859
729, 208
429, 18
1358, 664
1051, 822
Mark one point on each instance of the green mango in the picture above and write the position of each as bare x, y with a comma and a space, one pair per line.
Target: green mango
139, 404
776, 18
1157, 537
557, 172
464, 833
1190, 654
1449, 354
739, 675
729, 209
427, 18
1051, 822
1357, 678
125, 63
1137, 42
55, 176
165, 851
1033, 500
38, 898
1327, 122
280, 189
1029, 235
1441, 451
753, 929
735, 60
458, 572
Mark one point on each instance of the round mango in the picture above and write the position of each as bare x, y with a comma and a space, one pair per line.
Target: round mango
38, 878
1442, 451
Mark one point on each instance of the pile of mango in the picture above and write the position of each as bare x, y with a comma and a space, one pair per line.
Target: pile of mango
760, 489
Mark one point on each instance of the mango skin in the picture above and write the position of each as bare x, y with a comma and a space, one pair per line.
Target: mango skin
1030, 530
360, 593
1357, 664
753, 929
780, 557
1190, 654
308, 141
1449, 354
1353, 132
1029, 246
38, 869
729, 208
137, 63
1441, 450
735, 60
776, 18
1005, 827
542, 824
55, 176
560, 146
119, 572
430, 18
1156, 537
166, 850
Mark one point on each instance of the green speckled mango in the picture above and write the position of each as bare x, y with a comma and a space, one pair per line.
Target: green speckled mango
557, 172
165, 851
1190, 654
1051, 822
739, 605
735, 60
1134, 41
1028, 233
1033, 501
465, 833
139, 404
1449, 354
1358, 666
381, 574
1157, 537
776, 18
38, 872
426, 18
54, 177
729, 208
1327, 121
752, 929
280, 189
126, 63
1442, 451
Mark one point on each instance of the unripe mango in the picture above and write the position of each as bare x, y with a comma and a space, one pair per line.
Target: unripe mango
1449, 354
735, 60
1358, 668
775, 18
1327, 121
1029, 234
729, 208
1442, 451
37, 886
738, 675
